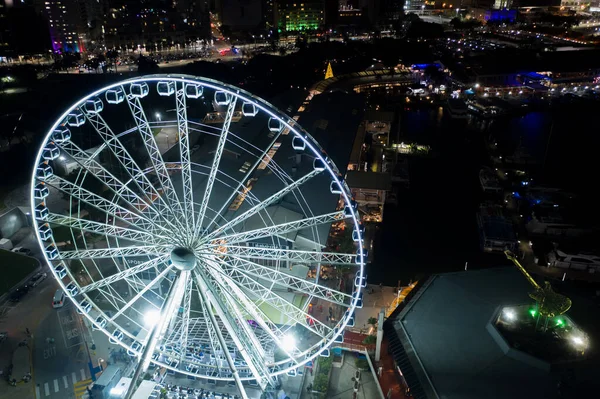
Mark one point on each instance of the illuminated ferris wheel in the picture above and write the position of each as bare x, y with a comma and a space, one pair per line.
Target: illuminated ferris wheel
188, 221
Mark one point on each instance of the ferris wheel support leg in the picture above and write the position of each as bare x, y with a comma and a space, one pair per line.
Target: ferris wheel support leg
173, 300
202, 291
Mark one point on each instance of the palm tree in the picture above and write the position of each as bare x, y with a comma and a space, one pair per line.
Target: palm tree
372, 321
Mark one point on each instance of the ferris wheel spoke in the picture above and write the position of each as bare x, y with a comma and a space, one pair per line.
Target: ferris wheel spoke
235, 294
266, 295
253, 359
125, 273
184, 151
237, 266
264, 204
215, 344
130, 166
114, 184
280, 230
215, 164
236, 191
186, 304
100, 253
105, 229
147, 288
156, 159
291, 255
81, 194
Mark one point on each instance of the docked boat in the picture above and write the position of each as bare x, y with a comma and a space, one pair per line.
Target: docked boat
457, 109
489, 181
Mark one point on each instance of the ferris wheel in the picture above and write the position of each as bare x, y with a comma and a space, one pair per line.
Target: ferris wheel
192, 223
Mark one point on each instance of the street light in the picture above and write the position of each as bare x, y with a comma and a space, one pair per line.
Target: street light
151, 317
158, 116
288, 343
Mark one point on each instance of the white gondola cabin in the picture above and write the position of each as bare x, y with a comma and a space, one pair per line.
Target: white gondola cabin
76, 118
72, 288
339, 338
41, 212
52, 252
360, 282
275, 125
139, 90
350, 318
359, 299
165, 88
94, 106
358, 235
222, 98
60, 271
365, 255
44, 171
115, 96
193, 91
45, 232
51, 151
249, 109
350, 209
318, 164
335, 188
40, 191
298, 144
61, 134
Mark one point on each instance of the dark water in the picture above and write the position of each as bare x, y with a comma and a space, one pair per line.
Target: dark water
433, 228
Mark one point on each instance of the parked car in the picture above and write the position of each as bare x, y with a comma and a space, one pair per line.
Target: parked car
19, 294
22, 251
38, 278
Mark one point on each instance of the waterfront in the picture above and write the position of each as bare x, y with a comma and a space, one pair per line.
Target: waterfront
433, 228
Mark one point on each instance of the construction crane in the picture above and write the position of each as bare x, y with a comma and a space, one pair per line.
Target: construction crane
550, 303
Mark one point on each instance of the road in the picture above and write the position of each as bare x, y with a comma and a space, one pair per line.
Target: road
57, 366
60, 357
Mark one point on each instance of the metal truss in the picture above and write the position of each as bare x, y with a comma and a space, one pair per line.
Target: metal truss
118, 187
291, 255
156, 159
237, 297
234, 266
131, 167
215, 165
246, 350
243, 181
186, 304
115, 252
266, 295
184, 151
106, 229
112, 208
125, 273
282, 229
264, 204
140, 293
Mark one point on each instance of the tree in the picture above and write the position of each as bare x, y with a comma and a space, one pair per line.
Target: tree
372, 320
370, 340
362, 364
321, 383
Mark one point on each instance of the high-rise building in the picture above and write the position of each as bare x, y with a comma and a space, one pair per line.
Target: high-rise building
300, 15
156, 24
242, 14
22, 29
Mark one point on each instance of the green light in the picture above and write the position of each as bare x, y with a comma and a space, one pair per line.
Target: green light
560, 322
532, 312
279, 30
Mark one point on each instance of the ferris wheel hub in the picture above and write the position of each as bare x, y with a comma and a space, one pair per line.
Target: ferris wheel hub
183, 258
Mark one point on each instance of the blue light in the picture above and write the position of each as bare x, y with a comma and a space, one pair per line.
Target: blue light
516, 194
524, 183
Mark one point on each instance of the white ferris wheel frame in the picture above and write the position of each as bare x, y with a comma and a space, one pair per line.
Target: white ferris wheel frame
309, 354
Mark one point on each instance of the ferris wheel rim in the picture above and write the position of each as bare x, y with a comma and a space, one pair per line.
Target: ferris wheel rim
270, 110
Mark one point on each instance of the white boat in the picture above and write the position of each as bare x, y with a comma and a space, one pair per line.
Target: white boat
489, 181
457, 109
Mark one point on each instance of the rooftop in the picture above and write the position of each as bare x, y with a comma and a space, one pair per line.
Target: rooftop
444, 340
